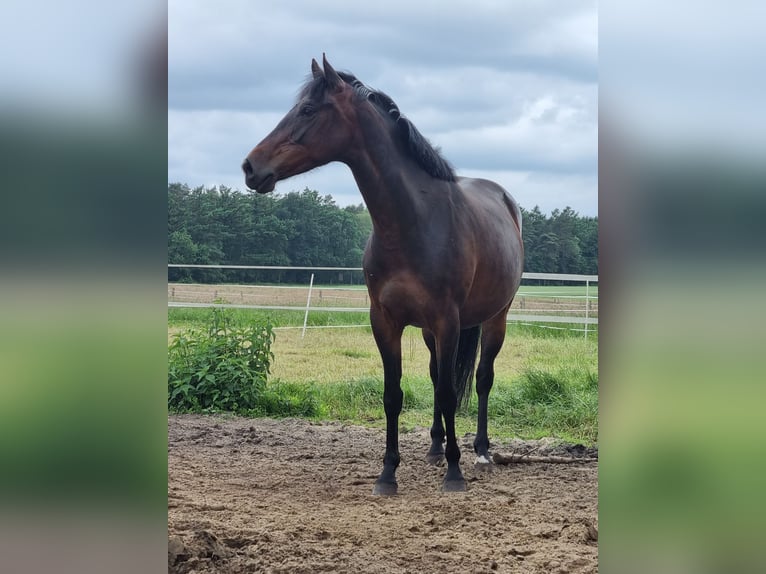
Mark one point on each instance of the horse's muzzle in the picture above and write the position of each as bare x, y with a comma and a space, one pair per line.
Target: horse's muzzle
260, 181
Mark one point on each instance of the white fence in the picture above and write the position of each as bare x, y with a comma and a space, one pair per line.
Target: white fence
534, 306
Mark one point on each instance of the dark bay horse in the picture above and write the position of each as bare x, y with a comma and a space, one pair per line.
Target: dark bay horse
445, 253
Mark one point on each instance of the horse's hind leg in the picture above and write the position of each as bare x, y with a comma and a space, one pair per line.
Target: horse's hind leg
447, 340
436, 453
492, 337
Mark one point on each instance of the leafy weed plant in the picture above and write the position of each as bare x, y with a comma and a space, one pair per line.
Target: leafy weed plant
221, 368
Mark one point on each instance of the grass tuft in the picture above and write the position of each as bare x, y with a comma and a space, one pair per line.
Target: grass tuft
542, 387
354, 354
281, 399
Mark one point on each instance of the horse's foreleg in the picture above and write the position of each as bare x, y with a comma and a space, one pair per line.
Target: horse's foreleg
436, 453
446, 348
492, 337
388, 337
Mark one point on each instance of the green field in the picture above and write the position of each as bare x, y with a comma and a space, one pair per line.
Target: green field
546, 381
558, 291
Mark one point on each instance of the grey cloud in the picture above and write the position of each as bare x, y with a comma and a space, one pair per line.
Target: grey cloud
274, 46
466, 77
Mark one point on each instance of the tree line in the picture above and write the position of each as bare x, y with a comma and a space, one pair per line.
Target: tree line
220, 226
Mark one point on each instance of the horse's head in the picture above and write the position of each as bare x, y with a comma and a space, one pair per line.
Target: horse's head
317, 130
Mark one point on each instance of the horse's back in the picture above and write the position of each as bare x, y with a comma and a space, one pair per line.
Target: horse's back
490, 199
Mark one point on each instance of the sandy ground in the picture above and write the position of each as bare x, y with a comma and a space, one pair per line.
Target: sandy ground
290, 496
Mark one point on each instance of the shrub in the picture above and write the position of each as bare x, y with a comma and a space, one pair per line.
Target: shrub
220, 368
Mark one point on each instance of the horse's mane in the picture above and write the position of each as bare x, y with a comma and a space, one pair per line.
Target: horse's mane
420, 149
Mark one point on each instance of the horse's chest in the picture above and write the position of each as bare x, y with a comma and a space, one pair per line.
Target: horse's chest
400, 294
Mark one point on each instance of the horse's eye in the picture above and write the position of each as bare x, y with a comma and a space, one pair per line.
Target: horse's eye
306, 110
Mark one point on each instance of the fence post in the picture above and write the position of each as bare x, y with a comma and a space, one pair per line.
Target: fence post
308, 304
587, 306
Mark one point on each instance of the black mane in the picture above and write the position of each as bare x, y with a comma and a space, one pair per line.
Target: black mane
419, 148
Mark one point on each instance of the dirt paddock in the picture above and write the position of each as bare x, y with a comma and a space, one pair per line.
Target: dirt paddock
290, 496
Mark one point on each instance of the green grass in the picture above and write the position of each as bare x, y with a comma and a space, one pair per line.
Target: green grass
546, 382
184, 317
561, 291
288, 400
539, 404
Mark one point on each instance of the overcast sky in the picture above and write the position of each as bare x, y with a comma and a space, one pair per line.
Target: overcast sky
507, 89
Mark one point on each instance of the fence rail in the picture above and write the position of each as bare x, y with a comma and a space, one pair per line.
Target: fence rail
526, 308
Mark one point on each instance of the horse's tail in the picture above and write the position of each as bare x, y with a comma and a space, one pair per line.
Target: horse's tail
464, 363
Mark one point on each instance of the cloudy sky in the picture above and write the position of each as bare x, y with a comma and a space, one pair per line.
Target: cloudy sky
507, 89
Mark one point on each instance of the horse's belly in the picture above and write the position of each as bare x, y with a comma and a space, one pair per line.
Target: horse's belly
477, 310
488, 296
408, 300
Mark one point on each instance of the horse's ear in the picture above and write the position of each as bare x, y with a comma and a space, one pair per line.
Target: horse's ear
316, 71
333, 79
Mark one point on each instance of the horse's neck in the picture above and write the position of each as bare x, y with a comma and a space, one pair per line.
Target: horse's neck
390, 185
392, 208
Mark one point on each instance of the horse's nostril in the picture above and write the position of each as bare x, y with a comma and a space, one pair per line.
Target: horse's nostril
247, 168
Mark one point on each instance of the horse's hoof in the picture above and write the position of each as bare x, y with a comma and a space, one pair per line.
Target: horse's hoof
454, 486
435, 459
483, 464
384, 489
